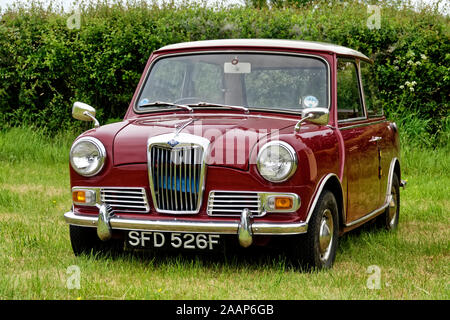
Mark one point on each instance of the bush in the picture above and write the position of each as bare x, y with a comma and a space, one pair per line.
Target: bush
46, 66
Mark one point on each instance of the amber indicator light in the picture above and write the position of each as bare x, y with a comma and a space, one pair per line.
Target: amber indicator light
79, 196
283, 203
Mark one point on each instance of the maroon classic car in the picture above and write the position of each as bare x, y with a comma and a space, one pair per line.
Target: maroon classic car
249, 140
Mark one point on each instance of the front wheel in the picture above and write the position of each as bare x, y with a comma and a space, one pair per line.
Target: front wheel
317, 248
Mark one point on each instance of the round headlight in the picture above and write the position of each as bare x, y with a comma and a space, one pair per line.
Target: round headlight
277, 161
87, 156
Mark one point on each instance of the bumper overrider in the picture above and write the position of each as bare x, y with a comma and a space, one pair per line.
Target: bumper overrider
245, 228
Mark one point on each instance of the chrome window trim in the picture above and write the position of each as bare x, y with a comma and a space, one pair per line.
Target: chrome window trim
102, 152
184, 139
352, 120
287, 111
289, 148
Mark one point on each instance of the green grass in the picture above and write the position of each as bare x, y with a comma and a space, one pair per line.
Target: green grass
35, 250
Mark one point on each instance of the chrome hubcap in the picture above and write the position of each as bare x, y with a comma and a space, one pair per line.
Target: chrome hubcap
393, 208
326, 234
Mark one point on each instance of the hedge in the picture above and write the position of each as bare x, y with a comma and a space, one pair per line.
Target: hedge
46, 64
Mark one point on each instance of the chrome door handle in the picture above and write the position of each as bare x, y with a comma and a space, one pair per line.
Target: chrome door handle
374, 139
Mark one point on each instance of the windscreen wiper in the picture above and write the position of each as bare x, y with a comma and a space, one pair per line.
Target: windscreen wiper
208, 104
163, 103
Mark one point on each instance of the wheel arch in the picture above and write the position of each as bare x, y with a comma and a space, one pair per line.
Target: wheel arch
332, 183
397, 169
394, 168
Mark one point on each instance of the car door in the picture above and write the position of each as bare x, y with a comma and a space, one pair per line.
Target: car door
360, 143
382, 127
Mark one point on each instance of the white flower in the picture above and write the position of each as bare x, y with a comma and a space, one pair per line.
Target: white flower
413, 83
418, 63
396, 68
402, 87
408, 83
410, 62
411, 89
424, 57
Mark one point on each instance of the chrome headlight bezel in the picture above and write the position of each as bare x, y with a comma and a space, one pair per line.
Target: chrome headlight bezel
291, 152
101, 152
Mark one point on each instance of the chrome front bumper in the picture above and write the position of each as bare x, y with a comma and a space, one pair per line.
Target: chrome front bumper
245, 228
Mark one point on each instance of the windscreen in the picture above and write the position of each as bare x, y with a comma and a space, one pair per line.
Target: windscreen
260, 81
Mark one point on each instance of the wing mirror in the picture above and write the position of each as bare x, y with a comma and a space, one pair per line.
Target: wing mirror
318, 116
84, 112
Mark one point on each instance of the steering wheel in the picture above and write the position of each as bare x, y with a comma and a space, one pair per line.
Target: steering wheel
187, 100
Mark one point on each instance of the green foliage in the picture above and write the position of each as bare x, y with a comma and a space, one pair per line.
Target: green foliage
46, 66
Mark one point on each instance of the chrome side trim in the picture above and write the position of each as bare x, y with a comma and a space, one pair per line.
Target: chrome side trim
371, 214
191, 226
386, 201
359, 124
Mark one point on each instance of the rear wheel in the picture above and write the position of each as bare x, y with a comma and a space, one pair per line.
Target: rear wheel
84, 240
317, 248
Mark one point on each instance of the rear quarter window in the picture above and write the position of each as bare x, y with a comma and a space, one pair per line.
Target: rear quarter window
370, 89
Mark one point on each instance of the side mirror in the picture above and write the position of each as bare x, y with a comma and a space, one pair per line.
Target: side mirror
84, 112
318, 116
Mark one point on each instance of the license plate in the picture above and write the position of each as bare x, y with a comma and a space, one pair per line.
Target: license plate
190, 241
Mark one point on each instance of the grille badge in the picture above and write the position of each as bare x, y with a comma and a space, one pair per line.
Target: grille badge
172, 143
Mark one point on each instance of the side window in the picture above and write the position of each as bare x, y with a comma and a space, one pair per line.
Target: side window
349, 104
370, 88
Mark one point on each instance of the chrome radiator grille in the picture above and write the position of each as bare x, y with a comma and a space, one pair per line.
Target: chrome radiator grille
176, 177
133, 200
231, 203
